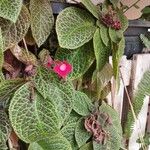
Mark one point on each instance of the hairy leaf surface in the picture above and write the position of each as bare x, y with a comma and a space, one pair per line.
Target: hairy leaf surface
118, 51
115, 36
87, 146
124, 21
81, 104
81, 134
8, 87
62, 94
104, 34
32, 116
5, 129
81, 59
10, 9
74, 27
57, 142
68, 132
113, 130
35, 146
15, 32
42, 20
102, 52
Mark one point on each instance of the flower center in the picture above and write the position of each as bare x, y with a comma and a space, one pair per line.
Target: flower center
63, 67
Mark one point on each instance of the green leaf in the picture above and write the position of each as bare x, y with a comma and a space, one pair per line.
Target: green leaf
15, 32
68, 132
91, 8
74, 27
57, 142
35, 146
10, 9
101, 51
146, 10
124, 21
42, 20
8, 87
81, 134
145, 41
104, 34
5, 129
106, 90
101, 79
114, 131
73, 118
81, 104
118, 51
1, 52
87, 146
62, 94
80, 66
115, 35
33, 117
142, 90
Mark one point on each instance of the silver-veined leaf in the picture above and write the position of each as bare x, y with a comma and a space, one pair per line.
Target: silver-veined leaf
35, 146
5, 129
117, 53
57, 142
74, 27
82, 104
33, 117
113, 130
68, 132
10, 9
104, 34
8, 87
115, 35
87, 146
62, 94
124, 21
81, 134
102, 52
81, 59
15, 32
42, 20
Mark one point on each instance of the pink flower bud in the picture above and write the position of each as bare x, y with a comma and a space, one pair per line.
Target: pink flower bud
49, 62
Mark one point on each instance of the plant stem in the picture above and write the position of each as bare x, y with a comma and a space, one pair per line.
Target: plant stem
26, 48
131, 6
132, 109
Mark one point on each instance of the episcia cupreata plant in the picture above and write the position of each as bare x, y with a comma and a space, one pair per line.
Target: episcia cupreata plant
55, 75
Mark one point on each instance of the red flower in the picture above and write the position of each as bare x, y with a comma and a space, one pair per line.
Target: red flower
62, 68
